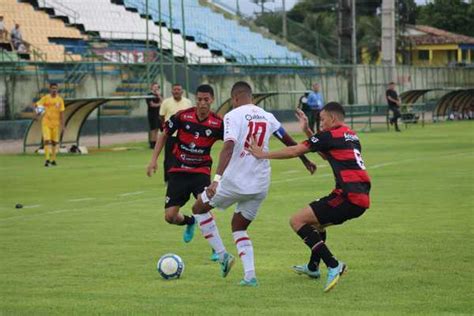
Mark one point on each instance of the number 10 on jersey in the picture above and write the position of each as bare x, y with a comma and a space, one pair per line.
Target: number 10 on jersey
257, 130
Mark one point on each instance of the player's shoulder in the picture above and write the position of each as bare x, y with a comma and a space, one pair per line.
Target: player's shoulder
215, 117
343, 131
186, 114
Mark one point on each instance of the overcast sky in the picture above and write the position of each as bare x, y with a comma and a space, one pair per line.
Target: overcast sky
248, 7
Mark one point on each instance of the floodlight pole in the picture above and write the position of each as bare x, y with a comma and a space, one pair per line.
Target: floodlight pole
147, 44
285, 27
170, 6
354, 51
186, 72
161, 47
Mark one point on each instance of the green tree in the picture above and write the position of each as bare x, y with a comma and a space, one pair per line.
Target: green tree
455, 16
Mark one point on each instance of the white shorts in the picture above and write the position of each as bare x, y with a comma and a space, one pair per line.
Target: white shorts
247, 204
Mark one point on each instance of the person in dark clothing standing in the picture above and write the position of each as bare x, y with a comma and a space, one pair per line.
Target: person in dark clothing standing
154, 119
393, 104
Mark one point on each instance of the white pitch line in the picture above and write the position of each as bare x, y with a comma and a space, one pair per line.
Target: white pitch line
82, 199
67, 210
32, 206
376, 166
132, 193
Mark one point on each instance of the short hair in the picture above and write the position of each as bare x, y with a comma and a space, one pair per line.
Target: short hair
53, 84
176, 85
391, 82
205, 88
153, 83
335, 107
241, 87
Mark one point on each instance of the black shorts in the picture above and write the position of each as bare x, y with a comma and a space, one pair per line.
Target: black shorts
335, 209
182, 184
155, 122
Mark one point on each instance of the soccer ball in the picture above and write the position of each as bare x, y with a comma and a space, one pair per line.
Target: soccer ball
39, 109
170, 266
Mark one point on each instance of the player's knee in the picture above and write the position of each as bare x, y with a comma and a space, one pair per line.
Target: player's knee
170, 218
296, 222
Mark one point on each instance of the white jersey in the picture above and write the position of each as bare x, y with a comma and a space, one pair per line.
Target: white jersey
245, 174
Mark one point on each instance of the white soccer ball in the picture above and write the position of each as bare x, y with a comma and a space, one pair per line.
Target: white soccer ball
170, 266
39, 109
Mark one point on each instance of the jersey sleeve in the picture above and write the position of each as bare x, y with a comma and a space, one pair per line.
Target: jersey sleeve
172, 125
319, 142
41, 101
231, 131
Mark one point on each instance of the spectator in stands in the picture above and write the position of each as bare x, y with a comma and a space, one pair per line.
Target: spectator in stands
168, 108
315, 104
3, 30
17, 38
154, 119
393, 103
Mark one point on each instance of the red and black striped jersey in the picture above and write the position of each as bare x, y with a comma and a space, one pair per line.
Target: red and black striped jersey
341, 147
192, 150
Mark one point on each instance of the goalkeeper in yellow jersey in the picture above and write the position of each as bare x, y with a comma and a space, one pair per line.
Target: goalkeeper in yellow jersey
51, 108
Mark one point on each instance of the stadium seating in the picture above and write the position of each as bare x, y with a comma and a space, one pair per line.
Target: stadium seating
218, 33
114, 22
37, 27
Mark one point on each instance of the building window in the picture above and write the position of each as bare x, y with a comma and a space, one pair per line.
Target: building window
423, 54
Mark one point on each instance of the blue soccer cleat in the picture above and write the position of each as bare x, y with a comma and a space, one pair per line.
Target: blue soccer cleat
189, 232
226, 264
303, 269
252, 282
334, 274
214, 256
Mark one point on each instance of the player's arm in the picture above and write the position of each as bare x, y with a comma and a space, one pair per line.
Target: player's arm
170, 127
286, 139
61, 116
160, 143
35, 105
285, 153
224, 159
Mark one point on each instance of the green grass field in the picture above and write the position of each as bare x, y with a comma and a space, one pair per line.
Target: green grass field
92, 230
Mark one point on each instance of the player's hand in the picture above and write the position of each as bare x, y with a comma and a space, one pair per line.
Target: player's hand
151, 169
255, 150
302, 119
211, 190
310, 166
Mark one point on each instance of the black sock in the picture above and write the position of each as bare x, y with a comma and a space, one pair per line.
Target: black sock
313, 240
313, 263
152, 145
188, 220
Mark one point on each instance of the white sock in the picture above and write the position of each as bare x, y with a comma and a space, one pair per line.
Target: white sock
245, 251
209, 230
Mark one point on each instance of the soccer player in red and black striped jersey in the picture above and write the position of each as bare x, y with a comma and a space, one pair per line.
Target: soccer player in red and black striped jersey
340, 146
198, 128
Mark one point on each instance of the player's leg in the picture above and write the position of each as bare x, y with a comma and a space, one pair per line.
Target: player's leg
152, 136
54, 144
177, 194
245, 213
303, 224
396, 116
208, 227
46, 131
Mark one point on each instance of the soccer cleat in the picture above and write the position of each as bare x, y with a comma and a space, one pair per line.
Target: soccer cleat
46, 163
252, 282
189, 232
226, 264
214, 256
53, 163
334, 274
303, 269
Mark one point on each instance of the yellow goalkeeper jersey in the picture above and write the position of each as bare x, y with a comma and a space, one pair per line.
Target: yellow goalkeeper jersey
53, 108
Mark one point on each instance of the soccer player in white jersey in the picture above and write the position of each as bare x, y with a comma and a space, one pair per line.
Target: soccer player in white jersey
240, 178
